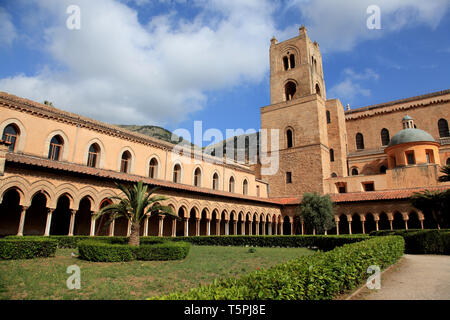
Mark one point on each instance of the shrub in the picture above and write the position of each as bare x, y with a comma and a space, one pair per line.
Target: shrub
418, 241
112, 251
27, 248
320, 276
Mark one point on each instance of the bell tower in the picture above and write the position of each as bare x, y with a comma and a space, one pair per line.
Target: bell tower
298, 114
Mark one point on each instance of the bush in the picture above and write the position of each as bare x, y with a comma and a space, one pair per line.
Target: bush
420, 241
27, 248
321, 242
111, 251
320, 276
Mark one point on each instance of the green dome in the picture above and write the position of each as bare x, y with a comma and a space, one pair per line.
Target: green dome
411, 135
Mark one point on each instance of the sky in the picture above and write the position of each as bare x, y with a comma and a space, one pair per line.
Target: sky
172, 62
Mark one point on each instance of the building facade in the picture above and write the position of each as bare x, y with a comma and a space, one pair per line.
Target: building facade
58, 168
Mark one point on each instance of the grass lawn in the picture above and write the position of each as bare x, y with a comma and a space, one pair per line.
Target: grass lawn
46, 278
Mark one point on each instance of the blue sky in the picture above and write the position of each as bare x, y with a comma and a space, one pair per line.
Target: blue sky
171, 62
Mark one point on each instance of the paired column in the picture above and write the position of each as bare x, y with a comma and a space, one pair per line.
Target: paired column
174, 228
337, 227
227, 227
160, 226
49, 221
146, 226
208, 227
217, 227
111, 228
257, 228
186, 227
72, 222
22, 220
243, 228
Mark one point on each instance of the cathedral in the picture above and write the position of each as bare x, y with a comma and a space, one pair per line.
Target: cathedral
58, 168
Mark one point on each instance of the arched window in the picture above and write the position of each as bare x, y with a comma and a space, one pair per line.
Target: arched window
231, 185
328, 116
11, 134
286, 63
289, 138
94, 153
55, 149
359, 141
125, 162
197, 177
443, 128
318, 90
334, 175
176, 173
332, 155
153, 168
292, 60
290, 90
355, 172
383, 169
215, 182
245, 187
385, 138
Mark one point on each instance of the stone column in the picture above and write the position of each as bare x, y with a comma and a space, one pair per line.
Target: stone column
22, 220
263, 228
406, 224
376, 224
160, 226
146, 226
302, 225
49, 221
243, 228
197, 227
208, 227
257, 228
390, 223
250, 228
72, 222
227, 227
314, 231
350, 227
276, 228
337, 227
174, 228
363, 227
92, 229
186, 227
112, 227
217, 227
129, 228
421, 224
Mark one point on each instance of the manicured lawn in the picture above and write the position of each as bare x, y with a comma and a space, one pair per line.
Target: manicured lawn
46, 278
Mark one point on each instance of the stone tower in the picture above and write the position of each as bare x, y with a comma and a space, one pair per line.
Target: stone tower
298, 111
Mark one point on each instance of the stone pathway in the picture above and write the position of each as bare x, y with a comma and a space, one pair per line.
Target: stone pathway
414, 277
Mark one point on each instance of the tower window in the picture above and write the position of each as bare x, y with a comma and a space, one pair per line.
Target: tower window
286, 63
176, 173
288, 177
443, 128
289, 138
385, 139
56, 145
318, 90
290, 90
359, 141
292, 60
153, 169
245, 187
332, 155
215, 181
197, 177
94, 152
410, 159
430, 156
231, 185
355, 172
10, 134
328, 117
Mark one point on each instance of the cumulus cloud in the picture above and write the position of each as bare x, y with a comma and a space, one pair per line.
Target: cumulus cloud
340, 25
351, 86
118, 69
7, 30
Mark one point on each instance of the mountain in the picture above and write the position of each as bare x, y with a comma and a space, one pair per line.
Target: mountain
154, 132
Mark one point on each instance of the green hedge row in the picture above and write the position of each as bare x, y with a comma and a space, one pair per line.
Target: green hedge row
420, 241
320, 276
27, 248
112, 251
321, 242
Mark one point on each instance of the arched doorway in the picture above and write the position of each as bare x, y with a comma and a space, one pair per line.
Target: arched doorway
248, 224
254, 225
10, 211
36, 216
82, 225
398, 223
261, 225
223, 223
286, 226
370, 224
192, 222
214, 219
233, 220
204, 223
356, 224
103, 223
61, 217
343, 224
180, 224
413, 221
239, 223
383, 222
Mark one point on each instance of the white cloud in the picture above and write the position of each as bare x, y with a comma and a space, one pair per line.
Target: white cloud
351, 86
7, 30
118, 70
340, 25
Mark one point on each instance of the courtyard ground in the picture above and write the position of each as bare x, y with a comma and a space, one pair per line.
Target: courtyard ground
45, 278
414, 277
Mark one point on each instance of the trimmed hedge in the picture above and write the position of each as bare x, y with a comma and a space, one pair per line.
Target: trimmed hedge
111, 251
320, 276
420, 241
27, 248
321, 242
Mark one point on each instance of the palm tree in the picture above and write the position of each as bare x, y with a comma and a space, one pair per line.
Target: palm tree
434, 202
446, 171
136, 206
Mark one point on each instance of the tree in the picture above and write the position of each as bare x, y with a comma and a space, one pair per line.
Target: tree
136, 206
316, 211
434, 202
446, 171
48, 103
